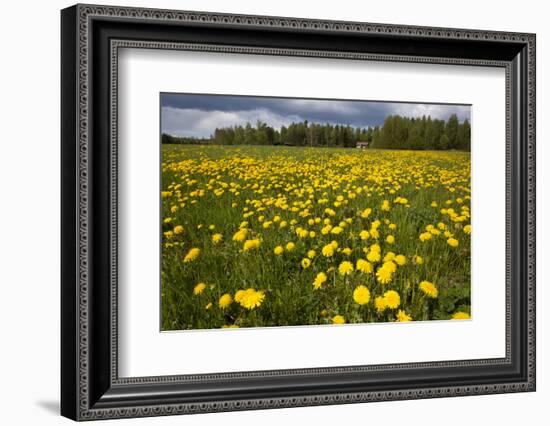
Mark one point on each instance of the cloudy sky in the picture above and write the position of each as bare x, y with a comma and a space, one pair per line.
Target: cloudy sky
199, 115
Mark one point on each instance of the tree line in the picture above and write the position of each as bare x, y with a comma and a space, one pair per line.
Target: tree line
422, 133
184, 140
397, 132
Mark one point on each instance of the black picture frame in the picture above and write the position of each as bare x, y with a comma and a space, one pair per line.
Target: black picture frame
90, 38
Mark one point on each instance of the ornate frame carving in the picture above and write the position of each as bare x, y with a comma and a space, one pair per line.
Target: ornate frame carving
83, 400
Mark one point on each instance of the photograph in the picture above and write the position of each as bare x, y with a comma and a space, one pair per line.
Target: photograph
280, 212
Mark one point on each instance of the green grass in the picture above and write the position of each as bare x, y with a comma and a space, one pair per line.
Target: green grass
289, 183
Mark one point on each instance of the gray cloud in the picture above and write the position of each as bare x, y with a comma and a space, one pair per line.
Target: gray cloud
200, 123
199, 115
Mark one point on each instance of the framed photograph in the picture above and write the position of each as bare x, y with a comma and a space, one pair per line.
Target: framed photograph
263, 212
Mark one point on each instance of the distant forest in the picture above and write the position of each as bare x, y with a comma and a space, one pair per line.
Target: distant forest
397, 132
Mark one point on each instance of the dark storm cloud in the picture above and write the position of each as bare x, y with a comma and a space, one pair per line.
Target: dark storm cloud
194, 115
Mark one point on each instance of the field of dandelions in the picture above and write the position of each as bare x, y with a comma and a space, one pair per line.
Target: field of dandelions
281, 236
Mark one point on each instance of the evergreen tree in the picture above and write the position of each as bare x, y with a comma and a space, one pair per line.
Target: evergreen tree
463, 136
443, 142
451, 130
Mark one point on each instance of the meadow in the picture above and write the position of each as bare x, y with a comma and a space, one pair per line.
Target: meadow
259, 236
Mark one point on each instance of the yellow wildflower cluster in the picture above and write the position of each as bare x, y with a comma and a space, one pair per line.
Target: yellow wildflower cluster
313, 236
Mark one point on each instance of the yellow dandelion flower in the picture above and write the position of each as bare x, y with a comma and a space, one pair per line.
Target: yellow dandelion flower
425, 236
217, 238
251, 298
400, 260
225, 301
326, 229
320, 279
178, 229
306, 263
392, 299
385, 205
345, 268
311, 254
467, 229
402, 316
390, 265
290, 246
418, 260
278, 250
429, 289
338, 319
208, 306
328, 250
380, 304
460, 316
199, 288
390, 239
239, 294
384, 275
452, 242
240, 235
389, 256
366, 213
401, 200
251, 244
361, 295
363, 266
192, 255
336, 230
346, 251
374, 256
364, 235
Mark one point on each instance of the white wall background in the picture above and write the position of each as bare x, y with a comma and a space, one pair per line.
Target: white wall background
29, 212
